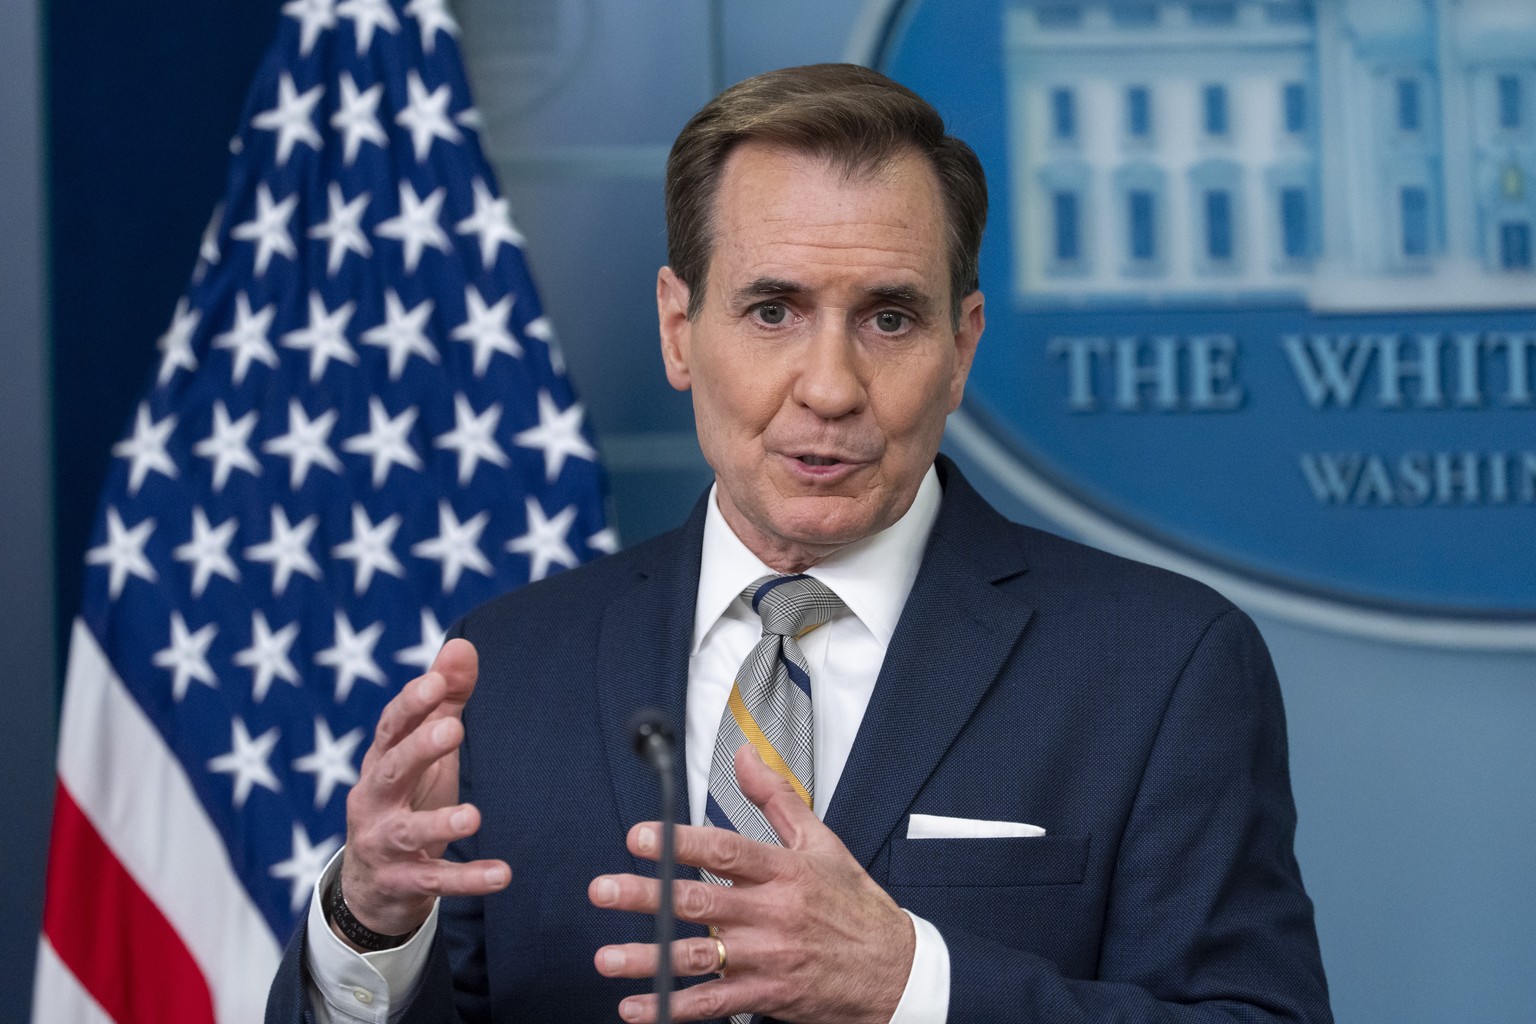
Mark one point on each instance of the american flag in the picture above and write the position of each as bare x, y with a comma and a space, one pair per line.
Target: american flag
358, 429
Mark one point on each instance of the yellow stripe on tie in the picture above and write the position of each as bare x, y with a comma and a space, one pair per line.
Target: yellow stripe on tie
765, 749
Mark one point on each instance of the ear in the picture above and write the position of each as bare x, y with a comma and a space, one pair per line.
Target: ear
676, 329
973, 320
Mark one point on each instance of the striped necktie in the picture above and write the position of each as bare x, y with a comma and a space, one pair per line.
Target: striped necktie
770, 704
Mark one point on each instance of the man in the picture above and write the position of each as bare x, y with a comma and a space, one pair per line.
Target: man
1044, 783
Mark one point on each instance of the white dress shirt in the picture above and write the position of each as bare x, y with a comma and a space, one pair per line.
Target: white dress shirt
872, 578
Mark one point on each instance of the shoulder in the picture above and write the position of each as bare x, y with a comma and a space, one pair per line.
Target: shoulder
576, 595
1071, 584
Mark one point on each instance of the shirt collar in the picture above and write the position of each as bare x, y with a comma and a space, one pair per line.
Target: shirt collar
872, 577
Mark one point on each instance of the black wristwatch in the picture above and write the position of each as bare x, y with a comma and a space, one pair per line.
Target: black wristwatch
339, 914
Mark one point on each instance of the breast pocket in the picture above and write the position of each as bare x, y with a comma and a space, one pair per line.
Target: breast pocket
1028, 860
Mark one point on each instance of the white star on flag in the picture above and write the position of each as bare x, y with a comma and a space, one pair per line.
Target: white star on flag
324, 337
352, 656
456, 546
287, 551
292, 118
331, 761
367, 15
176, 342
431, 15
208, 249
228, 445
540, 327
558, 435
403, 333
305, 443
473, 437
247, 761
145, 450
370, 547
385, 440
187, 656
267, 657
304, 868
424, 653
247, 339
485, 329
426, 116
124, 552
605, 540
314, 17
416, 226
342, 229
268, 229
209, 550
357, 117
492, 222
545, 542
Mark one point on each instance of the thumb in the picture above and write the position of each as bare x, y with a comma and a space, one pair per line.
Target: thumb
788, 813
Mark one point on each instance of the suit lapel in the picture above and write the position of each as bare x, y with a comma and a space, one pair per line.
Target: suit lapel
642, 662
955, 634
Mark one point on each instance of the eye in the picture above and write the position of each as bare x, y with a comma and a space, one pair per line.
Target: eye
772, 313
889, 321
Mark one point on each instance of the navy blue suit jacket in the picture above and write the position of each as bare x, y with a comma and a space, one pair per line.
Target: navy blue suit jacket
1130, 712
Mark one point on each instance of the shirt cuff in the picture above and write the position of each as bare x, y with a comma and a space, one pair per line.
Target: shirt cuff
345, 985
926, 997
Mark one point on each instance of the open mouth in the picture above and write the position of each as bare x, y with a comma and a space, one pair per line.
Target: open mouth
818, 460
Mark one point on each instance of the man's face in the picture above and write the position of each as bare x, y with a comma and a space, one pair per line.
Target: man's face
823, 360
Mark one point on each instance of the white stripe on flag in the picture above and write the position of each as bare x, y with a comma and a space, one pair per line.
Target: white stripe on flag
57, 996
125, 780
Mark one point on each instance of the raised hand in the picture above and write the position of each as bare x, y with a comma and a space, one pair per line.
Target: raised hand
808, 935
404, 809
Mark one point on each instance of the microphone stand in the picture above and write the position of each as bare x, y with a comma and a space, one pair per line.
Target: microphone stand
653, 742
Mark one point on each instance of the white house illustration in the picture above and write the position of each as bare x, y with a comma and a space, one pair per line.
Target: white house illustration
1354, 154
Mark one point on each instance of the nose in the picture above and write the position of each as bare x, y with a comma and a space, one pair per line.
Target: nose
829, 380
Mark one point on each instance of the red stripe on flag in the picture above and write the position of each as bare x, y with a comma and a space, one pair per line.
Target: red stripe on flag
111, 935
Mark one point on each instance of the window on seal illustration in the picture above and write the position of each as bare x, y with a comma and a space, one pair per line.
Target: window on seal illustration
1295, 224
1129, 14
1218, 225
1410, 116
1508, 90
1214, 103
1213, 12
1413, 205
1066, 222
1140, 190
1059, 16
1141, 216
1293, 103
1515, 245
1063, 115
1138, 112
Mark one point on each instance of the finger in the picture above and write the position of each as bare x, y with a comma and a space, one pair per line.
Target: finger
404, 832
700, 902
726, 853
789, 815
444, 688
708, 1001
394, 775
443, 878
638, 959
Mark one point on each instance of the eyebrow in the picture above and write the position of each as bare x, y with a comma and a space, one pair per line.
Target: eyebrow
770, 287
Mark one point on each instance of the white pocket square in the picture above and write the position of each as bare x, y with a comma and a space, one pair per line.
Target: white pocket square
939, 826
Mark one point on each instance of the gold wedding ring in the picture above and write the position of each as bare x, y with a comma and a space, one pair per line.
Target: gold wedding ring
720, 948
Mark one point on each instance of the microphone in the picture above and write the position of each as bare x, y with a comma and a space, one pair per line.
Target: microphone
653, 739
